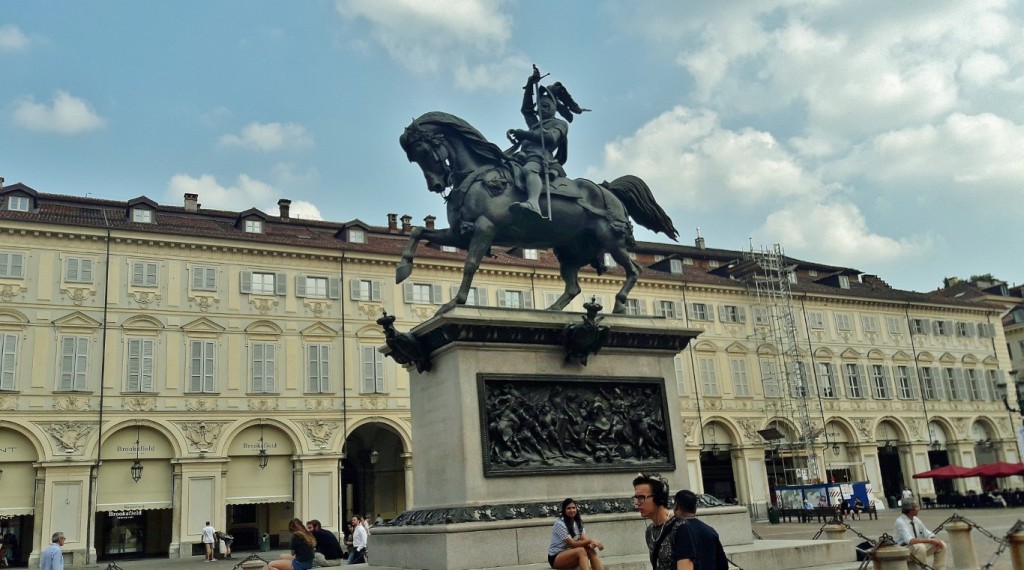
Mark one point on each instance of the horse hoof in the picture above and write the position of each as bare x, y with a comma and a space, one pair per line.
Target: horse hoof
403, 272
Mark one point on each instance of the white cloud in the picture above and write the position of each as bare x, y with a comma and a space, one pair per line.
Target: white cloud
467, 37
246, 193
13, 39
67, 115
268, 137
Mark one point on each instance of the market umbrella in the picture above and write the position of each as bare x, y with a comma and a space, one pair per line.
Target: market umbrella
1000, 469
947, 472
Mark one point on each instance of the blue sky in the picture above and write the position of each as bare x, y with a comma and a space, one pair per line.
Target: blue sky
878, 135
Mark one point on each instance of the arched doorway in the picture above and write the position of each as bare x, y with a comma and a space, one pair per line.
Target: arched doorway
373, 477
260, 492
716, 469
17, 492
134, 504
984, 452
838, 466
938, 456
887, 436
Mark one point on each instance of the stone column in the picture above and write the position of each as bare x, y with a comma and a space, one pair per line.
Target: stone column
740, 476
174, 550
962, 546
892, 557
835, 531
407, 463
1016, 541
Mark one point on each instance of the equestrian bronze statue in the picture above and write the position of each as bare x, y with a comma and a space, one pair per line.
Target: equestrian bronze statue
496, 196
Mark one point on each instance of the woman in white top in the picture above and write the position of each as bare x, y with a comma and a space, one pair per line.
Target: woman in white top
570, 547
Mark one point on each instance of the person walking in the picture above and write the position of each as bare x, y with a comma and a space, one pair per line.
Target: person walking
209, 536
695, 546
650, 497
358, 554
53, 557
909, 531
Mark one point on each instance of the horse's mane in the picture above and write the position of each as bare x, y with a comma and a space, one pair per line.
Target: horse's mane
477, 143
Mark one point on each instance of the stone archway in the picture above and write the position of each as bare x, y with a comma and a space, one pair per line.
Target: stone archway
374, 476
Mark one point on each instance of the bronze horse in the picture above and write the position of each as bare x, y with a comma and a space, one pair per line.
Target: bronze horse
588, 219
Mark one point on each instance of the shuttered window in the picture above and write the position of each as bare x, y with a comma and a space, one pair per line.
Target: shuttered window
140, 365
373, 371
12, 265
74, 364
264, 367
204, 278
202, 360
740, 382
8, 360
854, 380
827, 378
708, 375
78, 270
318, 377
144, 274
364, 290
770, 379
316, 287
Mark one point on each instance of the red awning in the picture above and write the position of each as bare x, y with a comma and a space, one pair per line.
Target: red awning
947, 472
1001, 469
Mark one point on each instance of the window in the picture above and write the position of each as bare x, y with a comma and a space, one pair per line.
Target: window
140, 365
894, 325
798, 381
8, 360
844, 282
687, 261
812, 273
477, 296
264, 367
869, 324
816, 320
12, 265
316, 287
142, 215
827, 379
843, 323
18, 203
356, 236
373, 370
318, 377
699, 312
78, 270
708, 375
792, 277
636, 307
854, 387
740, 383
976, 384
962, 330
994, 378
530, 253
714, 264
253, 226
449, 248
675, 266
680, 371
262, 283
731, 314
668, 309
770, 379
424, 293
364, 290
761, 316
609, 261
928, 387
201, 366
144, 274
919, 326
986, 330
904, 387
513, 299
74, 364
949, 378
204, 278
880, 382
941, 328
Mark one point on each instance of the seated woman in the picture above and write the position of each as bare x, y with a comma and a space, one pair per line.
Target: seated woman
570, 546
858, 508
301, 545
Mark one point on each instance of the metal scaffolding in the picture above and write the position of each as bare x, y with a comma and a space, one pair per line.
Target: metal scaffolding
767, 275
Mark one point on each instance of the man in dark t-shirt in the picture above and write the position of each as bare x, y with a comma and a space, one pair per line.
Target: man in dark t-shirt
328, 549
695, 545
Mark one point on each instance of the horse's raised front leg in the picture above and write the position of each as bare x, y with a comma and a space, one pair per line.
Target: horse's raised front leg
621, 256
479, 245
570, 276
444, 236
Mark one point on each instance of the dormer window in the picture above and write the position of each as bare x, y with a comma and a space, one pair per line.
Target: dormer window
356, 236
530, 254
449, 248
675, 265
844, 282
18, 203
254, 226
142, 215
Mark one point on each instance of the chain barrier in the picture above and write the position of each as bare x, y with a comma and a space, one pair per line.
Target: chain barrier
757, 536
113, 566
733, 564
250, 558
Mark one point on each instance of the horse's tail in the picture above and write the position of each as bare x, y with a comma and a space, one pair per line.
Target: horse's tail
641, 205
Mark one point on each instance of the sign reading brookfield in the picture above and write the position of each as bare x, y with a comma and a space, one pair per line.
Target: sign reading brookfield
543, 424
125, 514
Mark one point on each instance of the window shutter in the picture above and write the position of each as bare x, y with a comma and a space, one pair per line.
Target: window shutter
17, 265
407, 293
146, 375
375, 290
886, 382
325, 368
722, 313
245, 284
300, 285
8, 359
741, 313
312, 369
961, 386
354, 290
67, 364
151, 270
454, 291
915, 383
435, 293
270, 367
333, 288
677, 307
380, 386
481, 297
501, 298
280, 284
72, 270
208, 361
369, 372
134, 365
937, 381
257, 368
527, 299
81, 363
198, 278
195, 383
970, 329
861, 376
138, 273
550, 298
210, 274
689, 311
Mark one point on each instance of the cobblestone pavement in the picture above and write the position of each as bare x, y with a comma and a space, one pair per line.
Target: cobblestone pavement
995, 521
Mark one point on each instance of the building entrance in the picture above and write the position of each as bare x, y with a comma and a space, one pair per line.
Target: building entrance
717, 475
16, 534
133, 534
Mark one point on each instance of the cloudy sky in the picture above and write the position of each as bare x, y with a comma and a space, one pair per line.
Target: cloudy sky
878, 135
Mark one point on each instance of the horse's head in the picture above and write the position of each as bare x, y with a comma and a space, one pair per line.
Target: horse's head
428, 150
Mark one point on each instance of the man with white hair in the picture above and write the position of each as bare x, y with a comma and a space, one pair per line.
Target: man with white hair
909, 531
53, 557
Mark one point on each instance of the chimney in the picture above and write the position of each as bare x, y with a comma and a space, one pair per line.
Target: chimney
950, 282
392, 222
191, 202
284, 207
428, 221
699, 242
406, 224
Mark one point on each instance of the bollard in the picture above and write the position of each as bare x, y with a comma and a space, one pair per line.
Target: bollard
834, 531
1016, 541
962, 546
891, 557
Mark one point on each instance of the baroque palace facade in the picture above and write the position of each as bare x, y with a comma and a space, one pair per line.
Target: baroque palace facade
163, 366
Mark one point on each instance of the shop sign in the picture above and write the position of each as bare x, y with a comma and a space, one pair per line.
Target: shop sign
258, 445
125, 513
132, 449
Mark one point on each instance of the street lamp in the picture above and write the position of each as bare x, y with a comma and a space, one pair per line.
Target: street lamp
1002, 392
136, 468
264, 459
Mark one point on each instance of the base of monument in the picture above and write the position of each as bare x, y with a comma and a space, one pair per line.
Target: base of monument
507, 543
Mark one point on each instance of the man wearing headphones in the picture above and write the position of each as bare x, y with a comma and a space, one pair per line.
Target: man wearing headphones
650, 497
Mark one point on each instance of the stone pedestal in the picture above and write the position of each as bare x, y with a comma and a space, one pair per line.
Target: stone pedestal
962, 546
892, 557
1017, 550
835, 531
489, 483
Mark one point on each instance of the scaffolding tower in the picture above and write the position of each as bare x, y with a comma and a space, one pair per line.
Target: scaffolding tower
768, 276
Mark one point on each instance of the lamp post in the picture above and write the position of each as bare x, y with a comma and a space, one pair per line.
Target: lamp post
1002, 392
136, 468
263, 458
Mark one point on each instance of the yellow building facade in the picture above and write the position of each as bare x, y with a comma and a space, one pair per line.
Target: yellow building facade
233, 357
